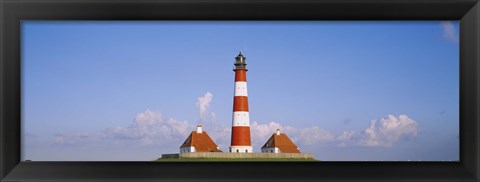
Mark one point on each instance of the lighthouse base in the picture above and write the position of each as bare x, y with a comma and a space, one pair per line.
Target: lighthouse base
241, 149
227, 155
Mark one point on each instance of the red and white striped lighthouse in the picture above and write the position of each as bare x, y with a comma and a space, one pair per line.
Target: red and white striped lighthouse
241, 142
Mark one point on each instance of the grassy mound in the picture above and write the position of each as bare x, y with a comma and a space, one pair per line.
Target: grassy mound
234, 160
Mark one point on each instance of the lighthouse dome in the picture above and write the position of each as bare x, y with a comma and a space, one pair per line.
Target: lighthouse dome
240, 62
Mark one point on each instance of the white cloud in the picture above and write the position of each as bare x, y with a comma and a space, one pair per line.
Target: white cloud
261, 132
383, 132
213, 117
71, 139
449, 31
203, 104
151, 128
314, 135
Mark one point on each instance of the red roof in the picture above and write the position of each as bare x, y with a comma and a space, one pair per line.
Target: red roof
201, 141
282, 142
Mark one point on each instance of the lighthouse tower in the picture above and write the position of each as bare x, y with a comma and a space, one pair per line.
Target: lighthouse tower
241, 142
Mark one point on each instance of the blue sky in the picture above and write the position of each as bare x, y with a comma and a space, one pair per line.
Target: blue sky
364, 90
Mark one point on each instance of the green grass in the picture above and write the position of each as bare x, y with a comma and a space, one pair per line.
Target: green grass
234, 160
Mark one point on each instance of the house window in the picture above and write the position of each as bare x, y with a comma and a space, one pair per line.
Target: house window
246, 151
272, 151
237, 150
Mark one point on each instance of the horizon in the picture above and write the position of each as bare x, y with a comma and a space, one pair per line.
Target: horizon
343, 91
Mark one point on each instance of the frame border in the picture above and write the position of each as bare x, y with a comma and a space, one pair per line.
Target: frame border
12, 12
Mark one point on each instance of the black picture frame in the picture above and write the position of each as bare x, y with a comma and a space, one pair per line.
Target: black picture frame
14, 11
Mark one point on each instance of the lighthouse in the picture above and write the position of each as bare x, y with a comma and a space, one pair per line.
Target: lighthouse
240, 142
